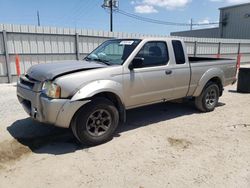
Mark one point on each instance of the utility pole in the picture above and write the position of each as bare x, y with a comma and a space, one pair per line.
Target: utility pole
111, 15
111, 5
191, 24
38, 18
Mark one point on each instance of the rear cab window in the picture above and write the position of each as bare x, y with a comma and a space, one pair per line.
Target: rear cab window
178, 52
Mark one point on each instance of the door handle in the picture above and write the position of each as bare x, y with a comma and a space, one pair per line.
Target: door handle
167, 72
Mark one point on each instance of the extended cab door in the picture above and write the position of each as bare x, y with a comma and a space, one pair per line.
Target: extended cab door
151, 82
181, 70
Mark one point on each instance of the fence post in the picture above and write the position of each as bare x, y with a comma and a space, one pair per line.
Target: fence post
238, 57
239, 48
7, 56
77, 46
219, 50
195, 48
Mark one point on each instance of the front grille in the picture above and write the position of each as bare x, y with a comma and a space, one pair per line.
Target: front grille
29, 78
30, 83
27, 83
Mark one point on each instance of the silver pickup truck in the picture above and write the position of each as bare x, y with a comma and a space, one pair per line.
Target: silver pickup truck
91, 96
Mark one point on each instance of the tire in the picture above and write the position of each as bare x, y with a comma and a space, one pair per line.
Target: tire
208, 99
96, 122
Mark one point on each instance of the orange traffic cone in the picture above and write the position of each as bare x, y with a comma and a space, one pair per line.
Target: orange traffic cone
18, 71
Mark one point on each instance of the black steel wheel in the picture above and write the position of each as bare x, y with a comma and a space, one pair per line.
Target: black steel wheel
96, 122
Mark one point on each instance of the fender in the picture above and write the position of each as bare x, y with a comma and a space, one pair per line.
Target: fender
96, 87
208, 75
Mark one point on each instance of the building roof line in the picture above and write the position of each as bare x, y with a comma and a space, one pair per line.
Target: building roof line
198, 29
233, 6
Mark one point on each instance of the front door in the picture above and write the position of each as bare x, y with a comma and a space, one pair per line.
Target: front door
151, 82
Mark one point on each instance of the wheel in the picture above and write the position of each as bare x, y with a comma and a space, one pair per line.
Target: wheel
96, 122
208, 99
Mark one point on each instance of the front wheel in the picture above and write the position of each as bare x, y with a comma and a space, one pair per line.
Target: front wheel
96, 122
208, 99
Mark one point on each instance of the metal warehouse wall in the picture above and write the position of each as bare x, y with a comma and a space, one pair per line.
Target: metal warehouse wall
238, 21
209, 33
47, 44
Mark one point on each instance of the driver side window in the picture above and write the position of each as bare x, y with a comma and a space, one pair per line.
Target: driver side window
154, 53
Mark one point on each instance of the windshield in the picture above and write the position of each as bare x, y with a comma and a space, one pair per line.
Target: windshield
113, 52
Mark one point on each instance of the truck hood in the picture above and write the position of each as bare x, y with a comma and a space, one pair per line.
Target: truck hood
50, 71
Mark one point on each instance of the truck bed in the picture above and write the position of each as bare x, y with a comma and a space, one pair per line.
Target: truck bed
200, 66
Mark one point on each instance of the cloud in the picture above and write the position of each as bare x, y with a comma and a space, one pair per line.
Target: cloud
150, 6
204, 21
145, 9
231, 1
168, 4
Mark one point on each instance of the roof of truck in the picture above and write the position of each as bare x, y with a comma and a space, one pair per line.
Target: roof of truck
150, 38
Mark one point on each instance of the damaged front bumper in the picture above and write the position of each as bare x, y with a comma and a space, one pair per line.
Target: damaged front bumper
38, 106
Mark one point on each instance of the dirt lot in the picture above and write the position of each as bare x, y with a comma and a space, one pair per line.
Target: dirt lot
164, 145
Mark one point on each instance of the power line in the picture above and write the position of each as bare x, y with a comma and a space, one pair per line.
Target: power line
150, 20
161, 22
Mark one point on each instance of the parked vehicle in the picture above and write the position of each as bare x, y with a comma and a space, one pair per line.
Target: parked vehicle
91, 96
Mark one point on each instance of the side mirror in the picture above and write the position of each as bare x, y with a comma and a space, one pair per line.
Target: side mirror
137, 62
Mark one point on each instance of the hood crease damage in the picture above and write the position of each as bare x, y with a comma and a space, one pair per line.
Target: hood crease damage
50, 71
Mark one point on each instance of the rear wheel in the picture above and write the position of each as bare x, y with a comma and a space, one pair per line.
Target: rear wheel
96, 122
208, 99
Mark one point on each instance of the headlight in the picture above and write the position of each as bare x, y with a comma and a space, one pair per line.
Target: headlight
51, 89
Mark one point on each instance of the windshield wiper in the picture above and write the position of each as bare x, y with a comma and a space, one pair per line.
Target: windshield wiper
106, 62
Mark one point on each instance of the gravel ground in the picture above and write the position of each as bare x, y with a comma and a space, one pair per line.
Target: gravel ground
163, 145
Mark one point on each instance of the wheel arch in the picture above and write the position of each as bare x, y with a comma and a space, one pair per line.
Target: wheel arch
218, 81
214, 75
114, 98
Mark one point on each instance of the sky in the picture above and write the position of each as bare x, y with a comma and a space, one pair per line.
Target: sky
89, 14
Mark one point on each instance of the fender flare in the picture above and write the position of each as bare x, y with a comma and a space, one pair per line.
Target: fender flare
102, 86
96, 87
208, 75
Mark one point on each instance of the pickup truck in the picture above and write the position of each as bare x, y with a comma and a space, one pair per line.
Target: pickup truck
91, 96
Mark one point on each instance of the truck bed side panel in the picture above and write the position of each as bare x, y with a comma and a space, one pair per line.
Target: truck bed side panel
202, 72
